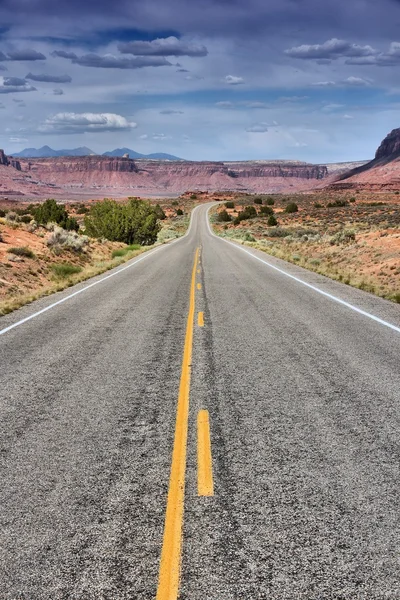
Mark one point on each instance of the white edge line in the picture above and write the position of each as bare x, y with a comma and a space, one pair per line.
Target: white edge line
87, 287
312, 287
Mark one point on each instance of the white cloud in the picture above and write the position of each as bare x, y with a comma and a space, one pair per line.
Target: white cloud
233, 80
80, 122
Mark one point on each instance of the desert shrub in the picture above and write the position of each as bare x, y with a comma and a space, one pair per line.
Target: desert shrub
257, 200
61, 239
270, 201
249, 212
337, 203
11, 216
291, 208
22, 251
2, 213
174, 203
193, 197
318, 205
51, 212
124, 251
272, 222
279, 232
179, 212
352, 199
1, 237
229, 204
266, 210
159, 212
236, 221
133, 223
64, 270
247, 237
25, 219
344, 236
224, 216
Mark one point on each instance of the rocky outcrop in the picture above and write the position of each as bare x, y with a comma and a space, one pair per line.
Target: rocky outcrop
390, 147
9, 161
382, 173
76, 164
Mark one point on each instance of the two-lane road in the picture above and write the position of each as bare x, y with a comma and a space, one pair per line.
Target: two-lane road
303, 398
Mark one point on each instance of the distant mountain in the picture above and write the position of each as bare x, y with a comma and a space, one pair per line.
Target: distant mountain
133, 154
46, 152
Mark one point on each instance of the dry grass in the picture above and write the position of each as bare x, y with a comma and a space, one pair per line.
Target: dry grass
356, 241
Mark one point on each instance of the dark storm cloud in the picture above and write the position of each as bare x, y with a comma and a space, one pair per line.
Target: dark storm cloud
330, 49
109, 61
28, 55
64, 54
11, 89
49, 78
14, 81
170, 46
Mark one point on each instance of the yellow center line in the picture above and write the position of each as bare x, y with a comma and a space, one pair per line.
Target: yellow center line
170, 564
200, 319
199, 286
205, 484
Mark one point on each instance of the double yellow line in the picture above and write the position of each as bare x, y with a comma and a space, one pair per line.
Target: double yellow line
170, 565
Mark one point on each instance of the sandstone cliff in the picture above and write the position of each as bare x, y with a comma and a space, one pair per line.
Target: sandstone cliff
383, 172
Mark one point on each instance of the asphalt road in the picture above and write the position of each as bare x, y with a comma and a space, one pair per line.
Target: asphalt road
303, 395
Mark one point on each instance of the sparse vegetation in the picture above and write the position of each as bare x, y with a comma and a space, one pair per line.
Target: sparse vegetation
125, 251
229, 204
22, 251
63, 270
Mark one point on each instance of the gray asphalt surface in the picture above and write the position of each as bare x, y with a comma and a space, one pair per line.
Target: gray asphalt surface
303, 395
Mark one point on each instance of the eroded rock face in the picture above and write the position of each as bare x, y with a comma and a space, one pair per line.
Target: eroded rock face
121, 176
6, 161
77, 164
390, 145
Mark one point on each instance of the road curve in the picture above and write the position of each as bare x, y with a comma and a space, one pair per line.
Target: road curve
296, 395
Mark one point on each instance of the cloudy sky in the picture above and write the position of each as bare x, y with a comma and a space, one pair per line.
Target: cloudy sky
206, 79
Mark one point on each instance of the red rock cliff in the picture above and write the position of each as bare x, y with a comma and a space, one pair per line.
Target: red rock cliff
390, 145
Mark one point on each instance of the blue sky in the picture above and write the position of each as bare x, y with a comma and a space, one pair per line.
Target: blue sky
211, 80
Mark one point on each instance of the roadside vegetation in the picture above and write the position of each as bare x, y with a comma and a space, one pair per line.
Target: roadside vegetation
353, 238
47, 247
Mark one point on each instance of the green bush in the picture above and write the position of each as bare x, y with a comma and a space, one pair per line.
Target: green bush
159, 212
193, 197
291, 208
2, 213
258, 200
133, 223
270, 201
22, 251
236, 221
229, 204
272, 222
25, 219
337, 203
174, 203
352, 199
224, 216
248, 213
318, 205
63, 270
266, 210
179, 212
51, 212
